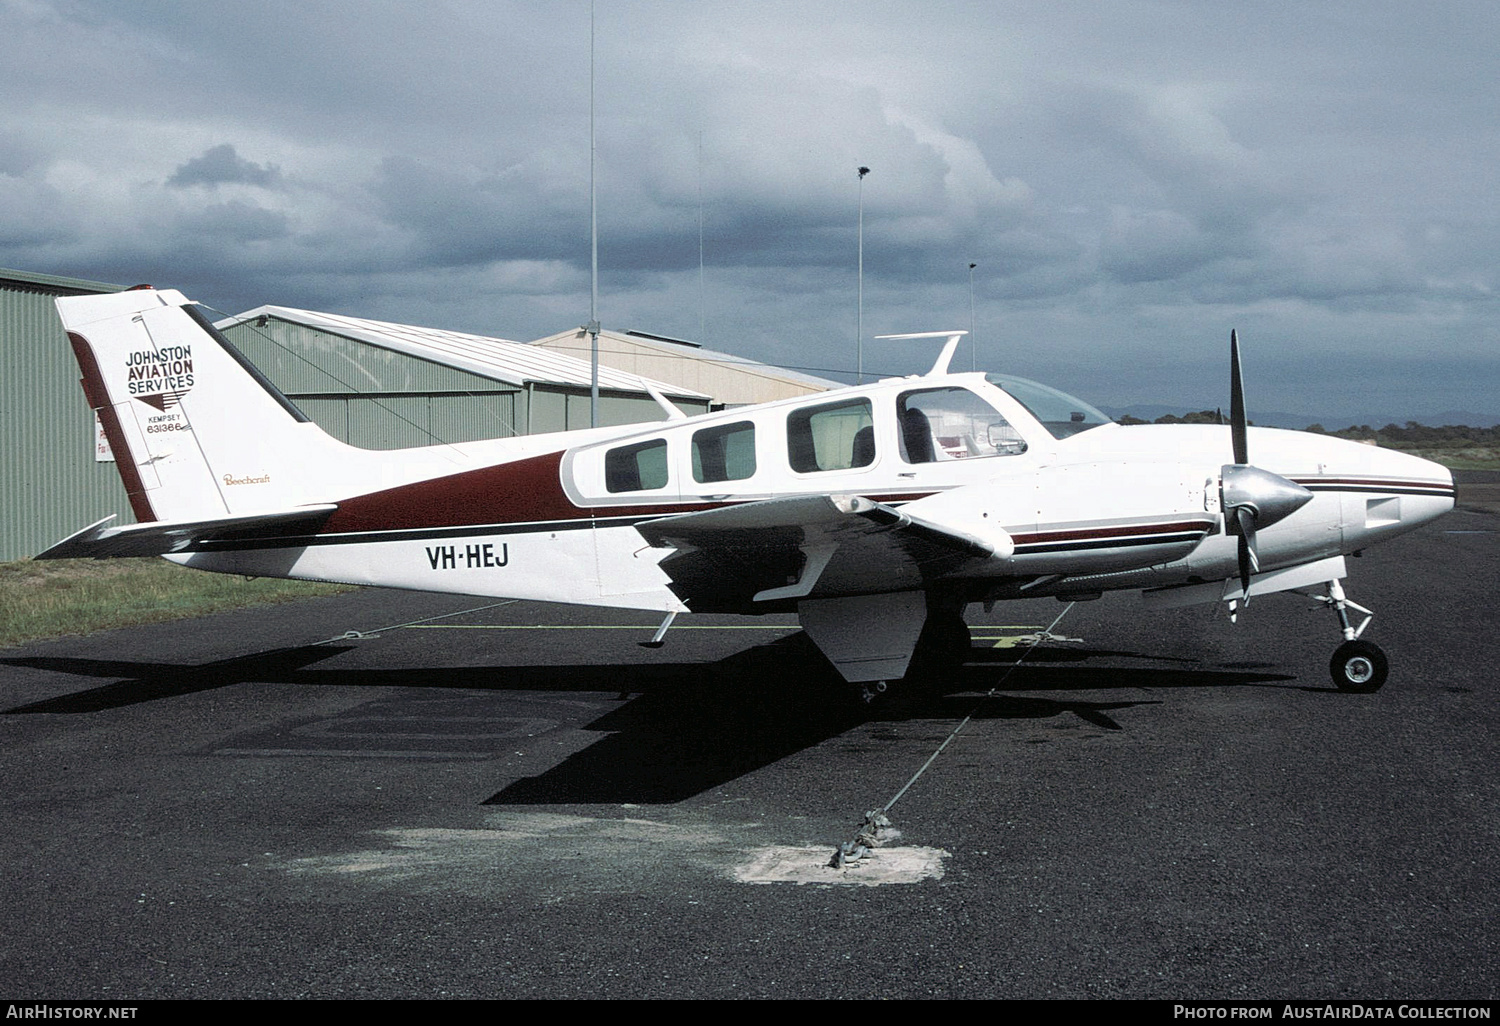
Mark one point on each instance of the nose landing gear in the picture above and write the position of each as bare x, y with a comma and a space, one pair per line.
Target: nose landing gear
1357, 666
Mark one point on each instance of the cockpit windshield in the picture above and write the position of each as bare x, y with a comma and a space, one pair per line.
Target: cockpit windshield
1061, 414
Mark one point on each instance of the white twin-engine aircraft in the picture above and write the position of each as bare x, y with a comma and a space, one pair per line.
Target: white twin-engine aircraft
877, 513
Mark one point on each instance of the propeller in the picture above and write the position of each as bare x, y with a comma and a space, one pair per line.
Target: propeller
1252, 498
1238, 426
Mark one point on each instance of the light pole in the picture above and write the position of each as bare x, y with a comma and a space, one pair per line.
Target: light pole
859, 331
593, 324
973, 341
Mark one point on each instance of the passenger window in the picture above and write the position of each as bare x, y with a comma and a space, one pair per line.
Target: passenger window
940, 424
724, 453
838, 436
636, 468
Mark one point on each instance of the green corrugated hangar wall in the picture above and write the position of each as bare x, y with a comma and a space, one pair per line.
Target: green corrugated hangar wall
50, 483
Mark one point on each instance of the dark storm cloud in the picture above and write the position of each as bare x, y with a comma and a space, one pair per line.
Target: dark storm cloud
221, 165
1132, 178
459, 216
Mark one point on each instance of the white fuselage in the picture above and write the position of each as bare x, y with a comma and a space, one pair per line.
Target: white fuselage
1104, 508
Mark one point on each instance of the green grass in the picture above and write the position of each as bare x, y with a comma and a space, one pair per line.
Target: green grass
1474, 458
52, 598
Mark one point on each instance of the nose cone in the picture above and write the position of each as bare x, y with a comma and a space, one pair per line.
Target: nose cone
1415, 474
1269, 497
1391, 493
1439, 481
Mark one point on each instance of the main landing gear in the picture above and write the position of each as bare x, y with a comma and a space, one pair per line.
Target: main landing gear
1357, 666
943, 647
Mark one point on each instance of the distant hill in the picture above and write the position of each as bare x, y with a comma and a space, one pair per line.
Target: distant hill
1300, 422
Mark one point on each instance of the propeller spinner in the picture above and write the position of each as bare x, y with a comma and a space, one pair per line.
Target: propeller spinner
1251, 498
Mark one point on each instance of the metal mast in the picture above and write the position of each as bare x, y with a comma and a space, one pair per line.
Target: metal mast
859, 331
973, 339
700, 236
593, 325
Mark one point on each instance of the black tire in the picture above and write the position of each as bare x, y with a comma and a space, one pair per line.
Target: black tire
1359, 667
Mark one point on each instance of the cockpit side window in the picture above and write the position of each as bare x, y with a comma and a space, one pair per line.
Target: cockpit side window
1060, 413
636, 468
838, 436
724, 453
938, 424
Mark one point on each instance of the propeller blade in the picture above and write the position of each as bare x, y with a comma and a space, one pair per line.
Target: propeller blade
1237, 426
1249, 562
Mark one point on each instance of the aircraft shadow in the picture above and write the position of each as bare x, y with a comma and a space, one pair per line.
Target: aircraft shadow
687, 735
149, 681
1062, 654
679, 729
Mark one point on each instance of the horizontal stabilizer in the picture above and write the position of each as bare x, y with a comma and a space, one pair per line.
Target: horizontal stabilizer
161, 537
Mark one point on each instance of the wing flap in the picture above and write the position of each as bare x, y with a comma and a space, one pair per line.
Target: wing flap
163, 537
745, 556
799, 511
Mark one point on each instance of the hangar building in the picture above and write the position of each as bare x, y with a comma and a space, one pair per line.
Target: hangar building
369, 383
386, 386
731, 380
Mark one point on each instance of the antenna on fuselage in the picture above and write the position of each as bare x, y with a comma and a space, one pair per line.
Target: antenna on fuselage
670, 408
941, 366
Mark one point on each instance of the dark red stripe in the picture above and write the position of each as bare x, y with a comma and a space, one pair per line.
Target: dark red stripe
526, 489
1379, 482
1124, 530
98, 400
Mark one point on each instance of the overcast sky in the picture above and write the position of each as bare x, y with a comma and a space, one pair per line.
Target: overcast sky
1133, 178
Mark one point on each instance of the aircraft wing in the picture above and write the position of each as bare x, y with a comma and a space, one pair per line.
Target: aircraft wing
812, 545
161, 537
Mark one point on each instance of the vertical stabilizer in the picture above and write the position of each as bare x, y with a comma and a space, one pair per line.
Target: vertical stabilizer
197, 432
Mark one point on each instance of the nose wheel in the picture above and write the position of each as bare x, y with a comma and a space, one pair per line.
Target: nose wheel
1357, 666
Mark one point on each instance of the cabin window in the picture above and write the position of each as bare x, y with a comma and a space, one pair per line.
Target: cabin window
636, 468
724, 453
938, 424
839, 436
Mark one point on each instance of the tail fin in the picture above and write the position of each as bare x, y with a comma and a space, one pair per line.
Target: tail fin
197, 431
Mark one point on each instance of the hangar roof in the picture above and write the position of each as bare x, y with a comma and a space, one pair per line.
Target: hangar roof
729, 378
749, 366
497, 358
56, 282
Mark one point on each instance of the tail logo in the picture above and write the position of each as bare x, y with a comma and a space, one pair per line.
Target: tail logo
160, 377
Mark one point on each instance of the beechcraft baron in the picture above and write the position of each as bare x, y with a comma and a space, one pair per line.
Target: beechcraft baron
877, 513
